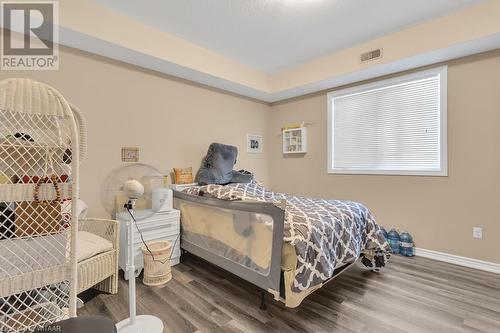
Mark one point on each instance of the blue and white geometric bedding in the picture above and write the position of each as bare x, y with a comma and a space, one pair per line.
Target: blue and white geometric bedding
326, 234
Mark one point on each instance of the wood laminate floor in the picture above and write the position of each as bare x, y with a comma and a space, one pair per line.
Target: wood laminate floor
410, 295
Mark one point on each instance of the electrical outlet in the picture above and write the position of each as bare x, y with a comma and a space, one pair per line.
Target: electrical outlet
477, 232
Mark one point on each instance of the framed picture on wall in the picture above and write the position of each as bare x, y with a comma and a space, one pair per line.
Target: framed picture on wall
130, 154
254, 143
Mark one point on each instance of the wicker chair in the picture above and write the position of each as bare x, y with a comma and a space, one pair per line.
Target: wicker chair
100, 271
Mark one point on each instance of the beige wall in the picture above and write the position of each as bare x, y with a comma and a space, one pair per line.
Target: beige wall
439, 211
172, 121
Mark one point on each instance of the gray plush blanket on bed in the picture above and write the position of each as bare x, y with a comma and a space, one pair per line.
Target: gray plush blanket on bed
217, 166
326, 234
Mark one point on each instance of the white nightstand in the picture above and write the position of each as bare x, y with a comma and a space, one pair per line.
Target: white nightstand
155, 227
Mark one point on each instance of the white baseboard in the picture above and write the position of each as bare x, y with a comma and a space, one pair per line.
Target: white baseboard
458, 260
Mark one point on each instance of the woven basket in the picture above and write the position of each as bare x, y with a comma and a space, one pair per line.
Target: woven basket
157, 267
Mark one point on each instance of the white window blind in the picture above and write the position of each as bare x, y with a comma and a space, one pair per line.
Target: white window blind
395, 126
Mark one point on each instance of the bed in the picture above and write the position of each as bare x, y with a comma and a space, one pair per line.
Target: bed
286, 245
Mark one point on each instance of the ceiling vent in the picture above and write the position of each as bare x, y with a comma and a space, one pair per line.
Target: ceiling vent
371, 55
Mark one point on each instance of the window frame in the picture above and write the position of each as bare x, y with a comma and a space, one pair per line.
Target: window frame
443, 122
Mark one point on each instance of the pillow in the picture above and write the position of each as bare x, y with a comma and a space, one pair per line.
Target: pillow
183, 175
90, 245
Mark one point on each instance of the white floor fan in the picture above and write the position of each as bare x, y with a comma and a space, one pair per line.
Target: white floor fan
132, 184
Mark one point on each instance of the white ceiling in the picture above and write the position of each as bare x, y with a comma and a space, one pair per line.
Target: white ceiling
272, 35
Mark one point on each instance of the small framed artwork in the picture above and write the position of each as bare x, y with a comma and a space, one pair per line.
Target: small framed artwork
130, 154
254, 143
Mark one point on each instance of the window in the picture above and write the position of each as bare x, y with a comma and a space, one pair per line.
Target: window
395, 126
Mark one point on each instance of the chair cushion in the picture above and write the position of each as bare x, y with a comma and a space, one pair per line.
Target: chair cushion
90, 245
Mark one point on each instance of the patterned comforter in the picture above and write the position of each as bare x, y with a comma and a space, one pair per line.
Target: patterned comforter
326, 234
